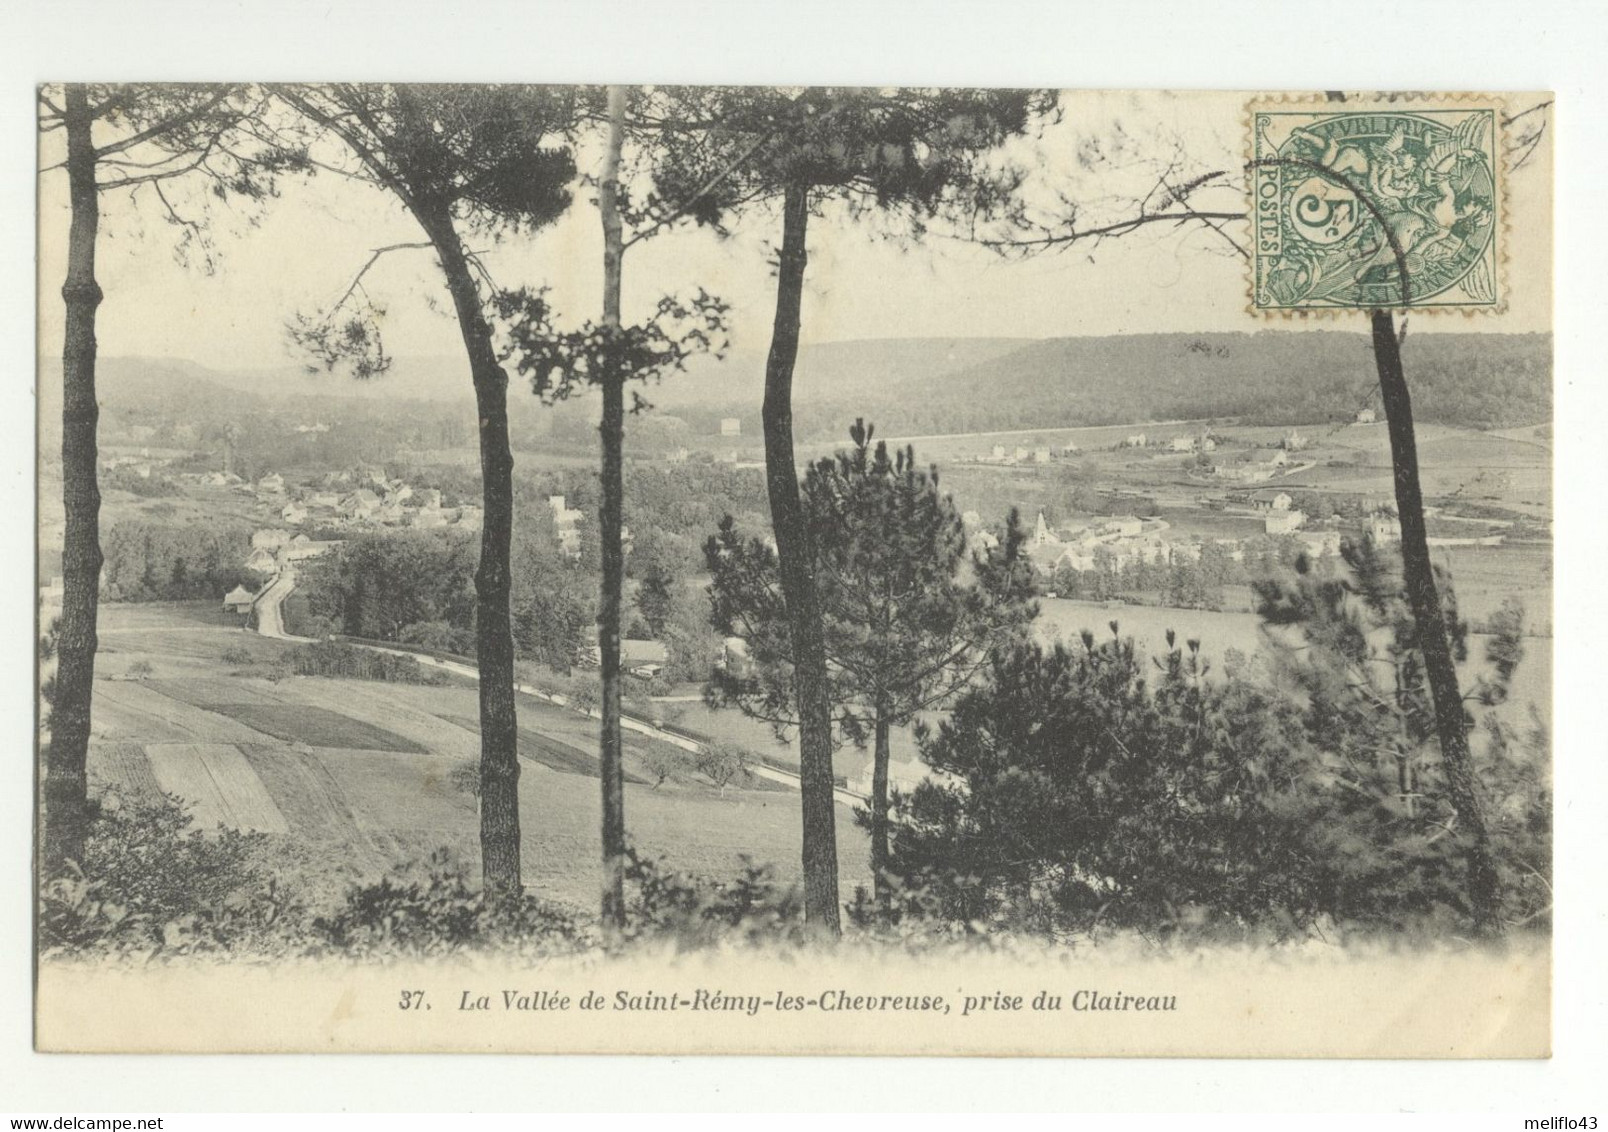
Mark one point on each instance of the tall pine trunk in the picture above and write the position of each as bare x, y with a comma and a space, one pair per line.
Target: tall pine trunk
612, 429
879, 813
796, 566
1439, 668
494, 640
66, 784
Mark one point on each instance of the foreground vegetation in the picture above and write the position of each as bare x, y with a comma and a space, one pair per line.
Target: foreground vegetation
1080, 795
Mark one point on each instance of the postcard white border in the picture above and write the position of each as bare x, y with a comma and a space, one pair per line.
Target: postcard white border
1538, 45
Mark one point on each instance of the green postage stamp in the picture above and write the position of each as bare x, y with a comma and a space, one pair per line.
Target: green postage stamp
1377, 203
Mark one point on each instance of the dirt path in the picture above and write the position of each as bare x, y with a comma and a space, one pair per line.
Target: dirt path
270, 603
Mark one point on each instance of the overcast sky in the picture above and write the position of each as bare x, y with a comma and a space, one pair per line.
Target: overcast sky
311, 241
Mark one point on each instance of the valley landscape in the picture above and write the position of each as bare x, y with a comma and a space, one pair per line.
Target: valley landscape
341, 764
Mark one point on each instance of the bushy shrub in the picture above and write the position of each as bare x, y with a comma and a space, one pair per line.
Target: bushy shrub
1383, 824
1083, 791
723, 764
149, 885
440, 636
584, 695
695, 912
1079, 797
465, 777
434, 912
335, 658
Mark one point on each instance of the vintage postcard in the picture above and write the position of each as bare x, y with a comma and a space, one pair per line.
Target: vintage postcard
694, 570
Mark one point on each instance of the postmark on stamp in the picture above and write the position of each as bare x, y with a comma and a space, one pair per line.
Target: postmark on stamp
1381, 204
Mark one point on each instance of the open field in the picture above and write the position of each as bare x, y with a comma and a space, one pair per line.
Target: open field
318, 727
218, 783
191, 504
359, 776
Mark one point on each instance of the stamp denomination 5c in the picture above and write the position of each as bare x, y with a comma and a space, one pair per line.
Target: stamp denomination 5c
1376, 204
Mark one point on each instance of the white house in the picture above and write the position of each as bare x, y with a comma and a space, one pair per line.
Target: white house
262, 561
273, 481
239, 600
270, 538
1364, 416
1321, 542
293, 513
304, 548
731, 426
643, 658
1283, 522
1182, 444
360, 504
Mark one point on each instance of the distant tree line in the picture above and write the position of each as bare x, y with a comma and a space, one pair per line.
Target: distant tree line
1469, 380
154, 562
381, 586
332, 658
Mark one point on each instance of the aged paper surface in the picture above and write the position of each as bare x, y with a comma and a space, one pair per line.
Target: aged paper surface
287, 613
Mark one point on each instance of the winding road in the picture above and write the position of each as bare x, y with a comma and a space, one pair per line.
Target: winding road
271, 623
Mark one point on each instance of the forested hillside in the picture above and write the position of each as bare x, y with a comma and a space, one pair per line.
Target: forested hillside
1479, 381
908, 386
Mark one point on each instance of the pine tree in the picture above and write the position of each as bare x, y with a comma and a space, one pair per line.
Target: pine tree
656, 596
458, 158
1360, 663
909, 614
917, 154
121, 138
611, 355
